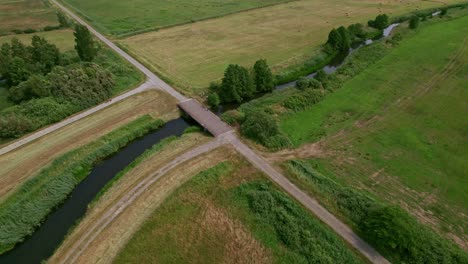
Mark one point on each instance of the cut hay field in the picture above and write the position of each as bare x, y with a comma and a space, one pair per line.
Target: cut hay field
63, 39
118, 17
193, 55
398, 128
25, 14
231, 213
19, 165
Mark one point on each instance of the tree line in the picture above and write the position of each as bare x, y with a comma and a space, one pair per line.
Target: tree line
47, 85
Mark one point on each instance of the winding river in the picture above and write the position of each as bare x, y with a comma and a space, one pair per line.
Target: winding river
43, 242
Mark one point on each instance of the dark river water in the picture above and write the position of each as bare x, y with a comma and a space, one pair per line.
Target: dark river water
50, 234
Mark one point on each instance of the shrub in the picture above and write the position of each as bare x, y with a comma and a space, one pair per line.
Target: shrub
29, 31
50, 28
304, 100
380, 22
414, 22
259, 126
233, 117
213, 100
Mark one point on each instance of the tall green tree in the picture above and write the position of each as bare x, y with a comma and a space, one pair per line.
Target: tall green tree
334, 40
44, 54
236, 85
264, 80
84, 43
381, 21
345, 39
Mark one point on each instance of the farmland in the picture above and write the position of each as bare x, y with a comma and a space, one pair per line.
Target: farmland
396, 129
214, 214
194, 55
25, 14
63, 39
119, 16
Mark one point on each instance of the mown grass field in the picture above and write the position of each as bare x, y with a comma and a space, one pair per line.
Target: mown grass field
25, 14
120, 16
19, 165
63, 38
230, 213
397, 129
196, 54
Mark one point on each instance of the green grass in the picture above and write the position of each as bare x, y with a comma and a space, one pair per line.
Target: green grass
24, 210
402, 116
281, 229
355, 205
119, 16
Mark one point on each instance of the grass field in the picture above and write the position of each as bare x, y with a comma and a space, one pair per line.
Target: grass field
232, 214
193, 55
397, 129
63, 38
19, 165
25, 14
119, 16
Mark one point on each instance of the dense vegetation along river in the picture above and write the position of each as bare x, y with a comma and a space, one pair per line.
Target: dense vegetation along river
337, 62
48, 237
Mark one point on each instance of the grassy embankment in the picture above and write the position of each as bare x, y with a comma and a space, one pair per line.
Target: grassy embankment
24, 210
194, 55
25, 14
119, 17
231, 213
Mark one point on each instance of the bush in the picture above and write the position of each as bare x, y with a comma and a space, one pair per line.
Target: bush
29, 31
213, 100
380, 22
50, 28
259, 126
304, 100
304, 83
233, 117
414, 22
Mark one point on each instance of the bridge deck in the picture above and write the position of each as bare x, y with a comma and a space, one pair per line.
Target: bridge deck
205, 117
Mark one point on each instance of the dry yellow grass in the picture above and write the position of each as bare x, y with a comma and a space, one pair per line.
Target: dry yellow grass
19, 165
109, 242
193, 55
25, 14
63, 39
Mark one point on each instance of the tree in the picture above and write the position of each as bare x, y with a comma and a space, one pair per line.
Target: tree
35, 86
414, 22
63, 21
213, 100
84, 43
334, 40
381, 21
236, 85
263, 77
443, 12
345, 39
357, 30
44, 54
17, 72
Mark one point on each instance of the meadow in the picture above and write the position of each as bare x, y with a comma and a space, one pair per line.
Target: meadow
63, 38
193, 55
231, 213
396, 128
119, 17
25, 14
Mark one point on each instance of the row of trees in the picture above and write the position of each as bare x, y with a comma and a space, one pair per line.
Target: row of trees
240, 84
